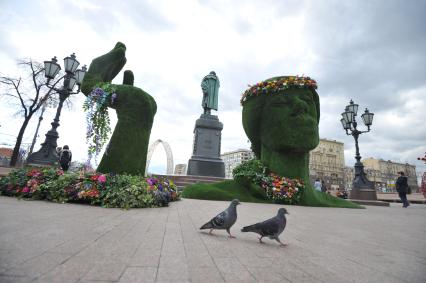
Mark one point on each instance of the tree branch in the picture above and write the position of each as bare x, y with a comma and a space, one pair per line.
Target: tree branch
16, 86
36, 87
6, 81
11, 95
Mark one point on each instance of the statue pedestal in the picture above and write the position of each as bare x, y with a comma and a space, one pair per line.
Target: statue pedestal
47, 155
363, 194
205, 160
362, 188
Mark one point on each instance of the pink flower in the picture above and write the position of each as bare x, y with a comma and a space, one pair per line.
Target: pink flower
25, 190
102, 178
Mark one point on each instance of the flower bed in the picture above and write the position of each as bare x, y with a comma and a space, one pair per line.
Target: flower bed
276, 188
282, 189
106, 190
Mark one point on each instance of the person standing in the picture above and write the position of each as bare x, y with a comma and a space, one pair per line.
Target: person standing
402, 188
323, 187
65, 157
317, 185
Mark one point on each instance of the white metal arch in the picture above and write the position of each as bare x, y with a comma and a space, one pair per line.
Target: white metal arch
169, 155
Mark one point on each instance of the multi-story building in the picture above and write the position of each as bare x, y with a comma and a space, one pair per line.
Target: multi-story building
384, 173
233, 158
327, 162
180, 169
5, 155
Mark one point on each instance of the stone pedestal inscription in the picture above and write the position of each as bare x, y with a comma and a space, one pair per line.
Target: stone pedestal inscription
205, 160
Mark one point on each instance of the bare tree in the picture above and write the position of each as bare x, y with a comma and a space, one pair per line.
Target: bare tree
30, 93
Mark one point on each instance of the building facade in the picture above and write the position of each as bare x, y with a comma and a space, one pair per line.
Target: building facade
349, 175
384, 173
327, 163
234, 158
180, 169
5, 155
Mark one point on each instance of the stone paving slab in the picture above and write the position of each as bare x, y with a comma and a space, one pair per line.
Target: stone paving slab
393, 197
48, 242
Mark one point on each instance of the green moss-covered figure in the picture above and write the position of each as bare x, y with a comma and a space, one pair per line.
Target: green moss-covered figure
128, 146
282, 125
283, 128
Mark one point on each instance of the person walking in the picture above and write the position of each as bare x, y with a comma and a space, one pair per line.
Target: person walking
317, 185
323, 187
65, 157
402, 188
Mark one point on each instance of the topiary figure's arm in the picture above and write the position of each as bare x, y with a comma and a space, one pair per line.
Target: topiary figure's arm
104, 68
128, 146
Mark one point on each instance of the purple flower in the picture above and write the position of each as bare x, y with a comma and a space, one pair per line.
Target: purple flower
98, 91
151, 181
113, 97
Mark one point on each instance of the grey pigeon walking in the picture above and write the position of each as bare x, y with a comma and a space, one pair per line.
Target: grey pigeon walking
224, 220
271, 228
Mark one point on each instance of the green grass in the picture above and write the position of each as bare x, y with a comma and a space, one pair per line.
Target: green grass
226, 190
315, 198
229, 190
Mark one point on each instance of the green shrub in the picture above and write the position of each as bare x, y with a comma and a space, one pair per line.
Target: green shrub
126, 191
249, 172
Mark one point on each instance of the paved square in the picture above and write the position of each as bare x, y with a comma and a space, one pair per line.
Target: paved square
48, 242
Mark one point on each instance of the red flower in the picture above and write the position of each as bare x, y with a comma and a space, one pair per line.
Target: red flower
102, 178
34, 173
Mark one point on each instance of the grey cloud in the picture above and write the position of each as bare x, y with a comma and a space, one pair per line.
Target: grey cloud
146, 16
369, 50
242, 26
372, 52
105, 21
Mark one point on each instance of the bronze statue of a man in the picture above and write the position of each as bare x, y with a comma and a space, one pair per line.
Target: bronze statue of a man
210, 86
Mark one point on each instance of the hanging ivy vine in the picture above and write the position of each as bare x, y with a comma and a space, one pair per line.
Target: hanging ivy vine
97, 118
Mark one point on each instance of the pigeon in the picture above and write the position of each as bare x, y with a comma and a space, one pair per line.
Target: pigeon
224, 220
271, 228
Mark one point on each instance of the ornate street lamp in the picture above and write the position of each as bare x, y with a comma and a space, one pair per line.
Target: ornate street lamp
47, 155
362, 188
50, 104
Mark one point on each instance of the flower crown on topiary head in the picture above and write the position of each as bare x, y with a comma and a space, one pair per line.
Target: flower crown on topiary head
275, 85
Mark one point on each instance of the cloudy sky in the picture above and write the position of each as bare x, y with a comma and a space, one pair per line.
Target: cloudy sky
370, 51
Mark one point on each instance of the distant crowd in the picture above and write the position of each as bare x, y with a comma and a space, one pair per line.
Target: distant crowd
320, 186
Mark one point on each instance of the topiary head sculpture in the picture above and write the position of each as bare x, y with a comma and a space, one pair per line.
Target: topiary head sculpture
280, 117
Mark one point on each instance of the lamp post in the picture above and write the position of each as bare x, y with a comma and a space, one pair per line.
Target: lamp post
40, 118
47, 104
362, 188
47, 154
